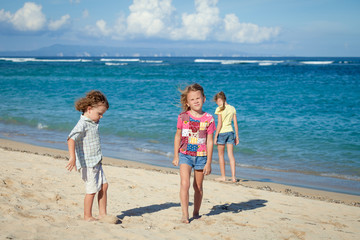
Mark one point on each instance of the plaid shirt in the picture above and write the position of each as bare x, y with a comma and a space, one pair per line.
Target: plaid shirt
87, 143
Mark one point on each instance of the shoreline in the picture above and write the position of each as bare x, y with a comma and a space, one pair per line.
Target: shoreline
315, 194
119, 148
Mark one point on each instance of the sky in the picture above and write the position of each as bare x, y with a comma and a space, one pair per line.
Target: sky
255, 27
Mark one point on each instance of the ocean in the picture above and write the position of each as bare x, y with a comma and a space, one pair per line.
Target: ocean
299, 118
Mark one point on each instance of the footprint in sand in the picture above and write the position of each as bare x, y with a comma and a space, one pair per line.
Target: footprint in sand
110, 219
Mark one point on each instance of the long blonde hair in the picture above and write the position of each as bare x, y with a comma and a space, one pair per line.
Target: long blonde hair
183, 99
221, 95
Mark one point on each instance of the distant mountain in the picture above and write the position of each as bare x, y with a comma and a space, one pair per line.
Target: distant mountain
59, 50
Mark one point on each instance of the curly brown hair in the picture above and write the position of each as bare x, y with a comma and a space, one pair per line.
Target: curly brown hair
183, 99
92, 99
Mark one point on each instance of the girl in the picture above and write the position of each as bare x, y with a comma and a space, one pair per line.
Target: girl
193, 147
225, 133
85, 152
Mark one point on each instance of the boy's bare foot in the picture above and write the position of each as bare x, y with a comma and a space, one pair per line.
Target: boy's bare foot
90, 219
222, 179
234, 180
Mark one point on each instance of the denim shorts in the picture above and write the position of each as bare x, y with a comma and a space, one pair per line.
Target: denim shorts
226, 138
196, 162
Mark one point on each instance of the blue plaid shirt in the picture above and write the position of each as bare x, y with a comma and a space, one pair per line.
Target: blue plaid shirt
87, 143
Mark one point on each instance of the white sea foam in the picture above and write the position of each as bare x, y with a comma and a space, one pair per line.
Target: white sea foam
346, 177
41, 126
266, 63
115, 64
120, 60
239, 61
151, 61
207, 61
44, 60
317, 62
62, 60
260, 62
18, 59
129, 60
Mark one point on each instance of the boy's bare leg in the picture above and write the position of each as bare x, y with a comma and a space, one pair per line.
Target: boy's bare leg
198, 192
88, 202
102, 200
185, 173
230, 150
221, 152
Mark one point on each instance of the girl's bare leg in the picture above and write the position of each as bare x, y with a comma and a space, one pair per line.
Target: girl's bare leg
88, 202
221, 152
198, 192
185, 173
102, 200
230, 150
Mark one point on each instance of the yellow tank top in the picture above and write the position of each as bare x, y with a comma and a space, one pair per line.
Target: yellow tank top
226, 116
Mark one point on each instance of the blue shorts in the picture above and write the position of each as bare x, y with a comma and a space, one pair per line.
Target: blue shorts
198, 163
226, 138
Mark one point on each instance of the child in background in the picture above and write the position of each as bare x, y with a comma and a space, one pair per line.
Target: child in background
193, 147
225, 133
85, 151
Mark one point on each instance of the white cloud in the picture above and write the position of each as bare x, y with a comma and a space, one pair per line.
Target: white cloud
158, 19
154, 18
149, 17
206, 24
29, 18
201, 24
5, 16
146, 18
235, 31
56, 25
99, 30
101, 26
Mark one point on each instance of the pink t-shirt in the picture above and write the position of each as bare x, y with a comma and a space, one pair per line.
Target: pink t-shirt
194, 132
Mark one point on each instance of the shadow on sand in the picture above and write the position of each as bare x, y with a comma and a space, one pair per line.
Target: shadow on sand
237, 207
147, 209
216, 210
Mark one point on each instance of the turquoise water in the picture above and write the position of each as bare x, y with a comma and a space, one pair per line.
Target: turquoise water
299, 118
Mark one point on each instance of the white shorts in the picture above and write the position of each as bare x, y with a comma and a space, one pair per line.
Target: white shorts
94, 178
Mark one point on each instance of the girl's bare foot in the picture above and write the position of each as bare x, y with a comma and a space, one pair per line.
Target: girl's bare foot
185, 220
234, 180
196, 215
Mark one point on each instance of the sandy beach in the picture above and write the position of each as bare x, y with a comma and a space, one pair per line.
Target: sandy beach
41, 200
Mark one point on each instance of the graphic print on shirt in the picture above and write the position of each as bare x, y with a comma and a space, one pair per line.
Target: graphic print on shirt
194, 133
